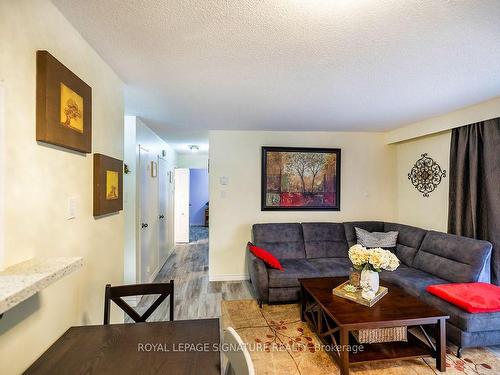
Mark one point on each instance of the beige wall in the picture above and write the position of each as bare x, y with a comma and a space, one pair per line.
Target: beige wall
413, 208
44, 177
367, 192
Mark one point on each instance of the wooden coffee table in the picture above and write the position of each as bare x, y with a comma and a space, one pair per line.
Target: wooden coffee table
333, 318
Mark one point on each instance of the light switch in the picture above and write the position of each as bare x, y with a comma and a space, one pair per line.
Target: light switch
223, 194
71, 208
224, 180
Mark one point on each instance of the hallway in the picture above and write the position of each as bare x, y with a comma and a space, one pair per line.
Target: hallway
195, 296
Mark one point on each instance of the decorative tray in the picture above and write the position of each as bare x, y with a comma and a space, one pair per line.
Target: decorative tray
356, 296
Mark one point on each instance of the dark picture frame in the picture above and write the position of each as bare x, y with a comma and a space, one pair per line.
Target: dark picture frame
108, 172
323, 191
60, 96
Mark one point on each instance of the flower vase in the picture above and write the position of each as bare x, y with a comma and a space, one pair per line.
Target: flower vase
369, 280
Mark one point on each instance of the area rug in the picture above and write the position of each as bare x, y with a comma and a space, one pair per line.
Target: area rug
279, 343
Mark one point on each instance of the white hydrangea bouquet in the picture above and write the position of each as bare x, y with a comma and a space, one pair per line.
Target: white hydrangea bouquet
370, 262
373, 259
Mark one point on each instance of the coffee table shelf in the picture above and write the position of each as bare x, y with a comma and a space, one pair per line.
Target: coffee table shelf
413, 348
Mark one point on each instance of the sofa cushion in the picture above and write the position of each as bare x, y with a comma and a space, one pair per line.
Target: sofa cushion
324, 240
332, 267
462, 319
370, 226
411, 280
409, 240
294, 269
454, 258
283, 240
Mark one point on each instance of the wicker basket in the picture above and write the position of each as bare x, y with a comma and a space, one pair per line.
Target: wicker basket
377, 335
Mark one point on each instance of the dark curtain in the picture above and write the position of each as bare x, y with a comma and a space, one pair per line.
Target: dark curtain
474, 209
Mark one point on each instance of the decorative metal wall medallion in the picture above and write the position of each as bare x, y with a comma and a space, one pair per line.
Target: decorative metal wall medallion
426, 175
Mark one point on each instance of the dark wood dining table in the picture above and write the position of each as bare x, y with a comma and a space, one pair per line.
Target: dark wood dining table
175, 348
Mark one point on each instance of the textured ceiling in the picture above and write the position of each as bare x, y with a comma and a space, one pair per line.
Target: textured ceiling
372, 65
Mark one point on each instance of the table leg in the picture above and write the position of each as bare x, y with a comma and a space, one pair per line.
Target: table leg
344, 351
440, 336
302, 303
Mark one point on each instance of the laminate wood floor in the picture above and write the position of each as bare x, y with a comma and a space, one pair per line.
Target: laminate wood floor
195, 296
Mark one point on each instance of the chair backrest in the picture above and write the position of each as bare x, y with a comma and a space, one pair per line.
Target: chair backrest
239, 360
115, 294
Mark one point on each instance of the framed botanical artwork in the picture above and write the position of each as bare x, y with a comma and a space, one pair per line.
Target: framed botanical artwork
108, 185
63, 105
296, 178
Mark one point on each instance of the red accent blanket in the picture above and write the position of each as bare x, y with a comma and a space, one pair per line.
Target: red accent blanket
471, 297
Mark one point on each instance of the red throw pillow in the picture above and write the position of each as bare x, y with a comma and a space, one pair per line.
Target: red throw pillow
266, 256
471, 297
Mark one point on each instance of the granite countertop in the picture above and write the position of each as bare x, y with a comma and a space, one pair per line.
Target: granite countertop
21, 281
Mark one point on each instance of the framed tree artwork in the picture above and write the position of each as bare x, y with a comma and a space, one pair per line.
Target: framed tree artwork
108, 185
63, 105
296, 178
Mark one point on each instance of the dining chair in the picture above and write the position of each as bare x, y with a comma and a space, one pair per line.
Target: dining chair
239, 360
115, 294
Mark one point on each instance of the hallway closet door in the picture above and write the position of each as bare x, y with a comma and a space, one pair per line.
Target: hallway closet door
163, 209
148, 190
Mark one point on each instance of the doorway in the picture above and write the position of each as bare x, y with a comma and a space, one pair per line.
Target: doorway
191, 204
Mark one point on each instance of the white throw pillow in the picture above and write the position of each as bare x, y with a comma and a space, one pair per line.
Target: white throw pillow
385, 240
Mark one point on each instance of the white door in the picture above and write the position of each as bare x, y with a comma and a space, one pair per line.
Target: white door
182, 205
148, 216
163, 209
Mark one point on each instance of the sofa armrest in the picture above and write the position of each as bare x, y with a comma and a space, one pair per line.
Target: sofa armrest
258, 276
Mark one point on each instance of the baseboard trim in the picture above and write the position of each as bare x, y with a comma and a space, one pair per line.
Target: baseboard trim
228, 277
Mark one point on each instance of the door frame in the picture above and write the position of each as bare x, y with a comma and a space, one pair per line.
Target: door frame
176, 190
161, 262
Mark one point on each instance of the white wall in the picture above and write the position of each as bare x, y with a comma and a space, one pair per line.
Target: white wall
138, 133
195, 160
413, 208
41, 178
367, 187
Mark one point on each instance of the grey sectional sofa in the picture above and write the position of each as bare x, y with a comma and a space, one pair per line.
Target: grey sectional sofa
427, 257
